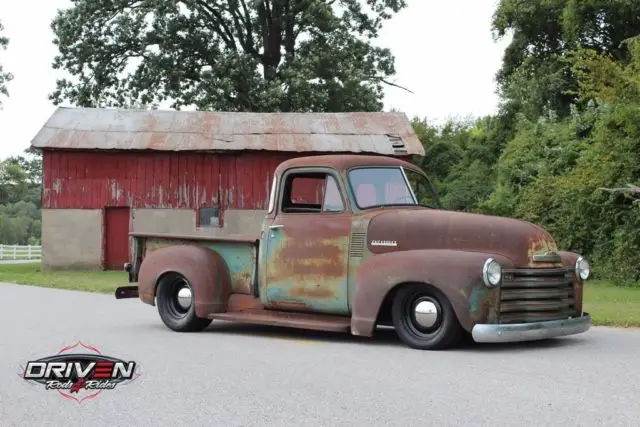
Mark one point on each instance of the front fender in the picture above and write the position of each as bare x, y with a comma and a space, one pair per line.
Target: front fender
458, 274
205, 269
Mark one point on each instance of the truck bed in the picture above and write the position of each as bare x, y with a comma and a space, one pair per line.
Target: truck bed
239, 252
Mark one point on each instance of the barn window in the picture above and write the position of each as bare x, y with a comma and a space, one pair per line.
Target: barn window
209, 216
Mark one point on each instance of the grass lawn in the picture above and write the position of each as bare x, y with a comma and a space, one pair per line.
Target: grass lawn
612, 305
91, 281
608, 305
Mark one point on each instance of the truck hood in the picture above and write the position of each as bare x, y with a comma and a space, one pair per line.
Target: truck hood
421, 228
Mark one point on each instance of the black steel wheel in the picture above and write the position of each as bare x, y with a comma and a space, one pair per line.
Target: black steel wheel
175, 301
424, 319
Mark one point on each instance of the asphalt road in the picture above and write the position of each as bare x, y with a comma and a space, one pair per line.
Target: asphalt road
237, 375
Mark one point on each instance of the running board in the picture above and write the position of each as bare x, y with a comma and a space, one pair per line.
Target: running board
315, 322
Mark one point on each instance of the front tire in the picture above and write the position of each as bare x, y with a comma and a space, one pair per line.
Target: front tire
424, 319
176, 307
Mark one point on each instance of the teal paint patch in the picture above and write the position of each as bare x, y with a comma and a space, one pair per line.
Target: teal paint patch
240, 259
478, 297
314, 292
237, 256
275, 293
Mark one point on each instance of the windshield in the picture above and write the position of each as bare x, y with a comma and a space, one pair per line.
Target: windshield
387, 186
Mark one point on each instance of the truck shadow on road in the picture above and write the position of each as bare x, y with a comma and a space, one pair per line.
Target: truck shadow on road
384, 336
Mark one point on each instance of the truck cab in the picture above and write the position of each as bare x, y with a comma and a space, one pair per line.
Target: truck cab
350, 242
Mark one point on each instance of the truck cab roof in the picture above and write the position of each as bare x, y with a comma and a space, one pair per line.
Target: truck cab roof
342, 162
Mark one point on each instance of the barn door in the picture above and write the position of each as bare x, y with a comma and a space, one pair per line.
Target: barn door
116, 229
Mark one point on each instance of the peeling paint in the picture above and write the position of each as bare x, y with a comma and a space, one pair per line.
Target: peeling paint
94, 180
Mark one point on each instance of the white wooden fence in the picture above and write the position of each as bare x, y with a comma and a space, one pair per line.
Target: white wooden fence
17, 252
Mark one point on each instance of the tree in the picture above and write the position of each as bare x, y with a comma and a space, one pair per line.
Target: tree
602, 78
535, 76
236, 55
20, 189
5, 77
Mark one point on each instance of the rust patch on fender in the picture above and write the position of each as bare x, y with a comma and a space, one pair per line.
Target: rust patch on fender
204, 269
540, 244
243, 302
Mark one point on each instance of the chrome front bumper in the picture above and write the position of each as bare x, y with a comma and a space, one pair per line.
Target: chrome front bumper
489, 333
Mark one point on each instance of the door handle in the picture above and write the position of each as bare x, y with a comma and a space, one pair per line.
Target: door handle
273, 227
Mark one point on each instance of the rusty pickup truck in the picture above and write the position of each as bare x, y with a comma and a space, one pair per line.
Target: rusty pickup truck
370, 245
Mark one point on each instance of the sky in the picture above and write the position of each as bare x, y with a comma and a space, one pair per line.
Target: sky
444, 52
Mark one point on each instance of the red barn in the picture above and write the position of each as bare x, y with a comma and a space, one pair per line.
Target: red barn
107, 172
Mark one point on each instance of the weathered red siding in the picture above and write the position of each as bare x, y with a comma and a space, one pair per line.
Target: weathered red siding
98, 179
147, 179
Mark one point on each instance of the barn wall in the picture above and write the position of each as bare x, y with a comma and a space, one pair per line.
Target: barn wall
143, 179
72, 238
179, 180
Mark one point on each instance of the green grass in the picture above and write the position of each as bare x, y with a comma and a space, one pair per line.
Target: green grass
608, 305
611, 305
89, 281
20, 256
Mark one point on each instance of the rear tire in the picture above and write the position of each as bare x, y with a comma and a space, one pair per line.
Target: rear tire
176, 307
424, 318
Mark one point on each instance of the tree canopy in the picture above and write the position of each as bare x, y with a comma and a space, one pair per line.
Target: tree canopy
236, 55
564, 150
5, 77
535, 75
20, 188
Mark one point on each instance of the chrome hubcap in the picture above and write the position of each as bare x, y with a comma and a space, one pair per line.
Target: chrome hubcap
184, 297
426, 314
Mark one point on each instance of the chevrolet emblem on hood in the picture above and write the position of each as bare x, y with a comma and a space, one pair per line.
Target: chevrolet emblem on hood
391, 243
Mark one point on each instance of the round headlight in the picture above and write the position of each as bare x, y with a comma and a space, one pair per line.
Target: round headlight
491, 272
583, 270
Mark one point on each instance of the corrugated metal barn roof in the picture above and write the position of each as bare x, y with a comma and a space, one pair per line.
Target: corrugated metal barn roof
114, 129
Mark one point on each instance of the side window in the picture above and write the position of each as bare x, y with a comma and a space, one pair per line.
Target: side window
332, 198
311, 192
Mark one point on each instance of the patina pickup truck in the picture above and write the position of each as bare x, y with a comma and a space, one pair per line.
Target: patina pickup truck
370, 245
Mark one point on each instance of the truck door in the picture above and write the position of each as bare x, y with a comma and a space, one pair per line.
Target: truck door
308, 244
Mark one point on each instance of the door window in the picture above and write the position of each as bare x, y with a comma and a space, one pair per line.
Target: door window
311, 193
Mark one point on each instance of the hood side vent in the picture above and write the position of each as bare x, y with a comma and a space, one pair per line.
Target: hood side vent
356, 247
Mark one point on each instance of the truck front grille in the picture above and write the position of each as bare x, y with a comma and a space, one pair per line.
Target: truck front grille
536, 294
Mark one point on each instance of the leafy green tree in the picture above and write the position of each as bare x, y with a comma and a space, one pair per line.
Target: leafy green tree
535, 76
20, 189
5, 77
553, 170
13, 185
603, 78
236, 55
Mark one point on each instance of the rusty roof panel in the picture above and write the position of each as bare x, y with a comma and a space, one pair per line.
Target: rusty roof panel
111, 129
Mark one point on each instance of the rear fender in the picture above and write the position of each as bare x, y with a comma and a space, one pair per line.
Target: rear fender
458, 274
205, 269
